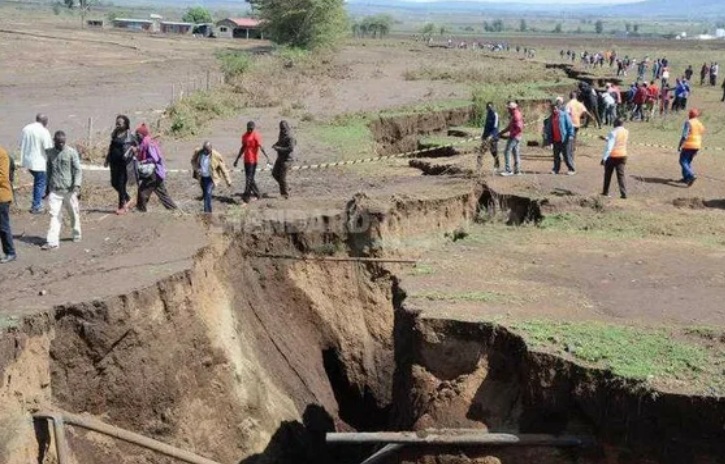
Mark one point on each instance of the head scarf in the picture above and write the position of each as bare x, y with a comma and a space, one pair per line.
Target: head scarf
142, 130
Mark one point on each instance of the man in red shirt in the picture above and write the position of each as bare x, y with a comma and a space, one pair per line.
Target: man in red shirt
640, 96
251, 145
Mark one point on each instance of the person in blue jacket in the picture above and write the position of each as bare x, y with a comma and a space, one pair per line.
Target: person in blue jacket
558, 131
489, 138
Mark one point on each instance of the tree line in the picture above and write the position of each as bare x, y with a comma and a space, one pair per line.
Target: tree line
374, 26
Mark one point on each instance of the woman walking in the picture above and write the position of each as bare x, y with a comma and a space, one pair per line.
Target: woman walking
151, 171
285, 148
119, 160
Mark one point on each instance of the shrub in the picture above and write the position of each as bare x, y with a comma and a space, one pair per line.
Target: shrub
234, 63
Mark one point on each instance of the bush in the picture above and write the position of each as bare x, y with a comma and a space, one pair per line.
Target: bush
192, 113
234, 63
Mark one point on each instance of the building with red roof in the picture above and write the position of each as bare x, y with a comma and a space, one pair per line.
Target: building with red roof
239, 28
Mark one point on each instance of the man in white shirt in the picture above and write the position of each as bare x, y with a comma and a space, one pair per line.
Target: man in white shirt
34, 141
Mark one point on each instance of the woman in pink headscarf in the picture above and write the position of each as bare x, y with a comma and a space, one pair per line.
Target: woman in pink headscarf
151, 170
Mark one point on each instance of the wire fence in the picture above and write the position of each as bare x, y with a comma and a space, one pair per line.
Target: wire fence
90, 134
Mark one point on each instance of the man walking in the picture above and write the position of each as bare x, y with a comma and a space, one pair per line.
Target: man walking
704, 72
489, 138
64, 185
714, 71
558, 132
6, 199
208, 167
251, 146
690, 144
515, 129
615, 158
576, 109
35, 140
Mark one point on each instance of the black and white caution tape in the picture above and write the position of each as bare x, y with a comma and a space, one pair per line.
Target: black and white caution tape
306, 167
651, 145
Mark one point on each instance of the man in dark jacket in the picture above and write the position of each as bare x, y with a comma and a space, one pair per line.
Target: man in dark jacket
558, 132
489, 138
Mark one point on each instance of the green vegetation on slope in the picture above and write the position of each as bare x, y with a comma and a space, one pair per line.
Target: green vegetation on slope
630, 352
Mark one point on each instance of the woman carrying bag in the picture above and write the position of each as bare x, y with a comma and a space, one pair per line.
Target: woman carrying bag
151, 171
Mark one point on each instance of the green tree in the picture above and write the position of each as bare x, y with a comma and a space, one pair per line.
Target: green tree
82, 6
523, 27
497, 25
599, 26
635, 28
628, 27
307, 24
443, 30
428, 30
197, 15
557, 28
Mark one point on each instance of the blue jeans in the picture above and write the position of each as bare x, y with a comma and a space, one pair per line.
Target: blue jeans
207, 188
39, 183
686, 157
512, 145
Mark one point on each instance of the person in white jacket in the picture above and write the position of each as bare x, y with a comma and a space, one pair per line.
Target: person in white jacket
34, 141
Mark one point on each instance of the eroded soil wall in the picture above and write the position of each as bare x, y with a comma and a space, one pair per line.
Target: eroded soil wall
478, 375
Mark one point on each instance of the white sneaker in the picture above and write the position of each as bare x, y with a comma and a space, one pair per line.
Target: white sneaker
49, 247
507, 173
571, 173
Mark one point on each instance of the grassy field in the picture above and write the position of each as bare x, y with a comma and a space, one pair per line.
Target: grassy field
657, 355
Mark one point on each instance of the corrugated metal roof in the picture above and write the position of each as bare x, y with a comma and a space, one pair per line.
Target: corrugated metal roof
129, 20
244, 22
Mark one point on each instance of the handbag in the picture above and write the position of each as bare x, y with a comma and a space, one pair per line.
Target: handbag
146, 170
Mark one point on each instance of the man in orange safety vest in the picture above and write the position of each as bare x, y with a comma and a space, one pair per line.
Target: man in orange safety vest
690, 144
615, 158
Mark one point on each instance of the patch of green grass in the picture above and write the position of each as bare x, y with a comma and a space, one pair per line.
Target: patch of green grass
348, 135
482, 297
234, 63
8, 322
422, 269
634, 353
191, 114
427, 107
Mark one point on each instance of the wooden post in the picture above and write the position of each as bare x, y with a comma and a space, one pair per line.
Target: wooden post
173, 93
208, 80
90, 133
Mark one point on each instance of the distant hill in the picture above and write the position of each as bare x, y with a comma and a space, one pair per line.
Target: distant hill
676, 9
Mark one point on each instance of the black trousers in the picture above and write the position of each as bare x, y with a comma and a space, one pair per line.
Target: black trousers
250, 185
119, 182
149, 186
6, 235
611, 165
563, 150
279, 172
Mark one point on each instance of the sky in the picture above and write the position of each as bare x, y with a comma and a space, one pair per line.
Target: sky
598, 2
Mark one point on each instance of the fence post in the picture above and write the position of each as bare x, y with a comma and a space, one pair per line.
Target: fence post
90, 133
208, 80
173, 93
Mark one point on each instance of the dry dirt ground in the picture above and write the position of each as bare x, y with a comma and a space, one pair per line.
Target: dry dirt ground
561, 272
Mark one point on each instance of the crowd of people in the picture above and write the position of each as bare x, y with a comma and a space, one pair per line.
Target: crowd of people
135, 161
560, 129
